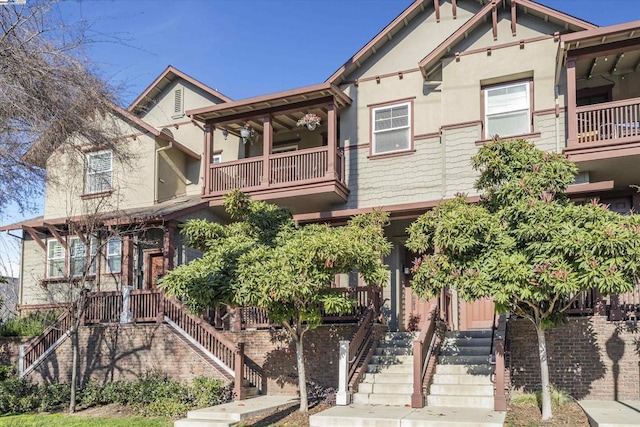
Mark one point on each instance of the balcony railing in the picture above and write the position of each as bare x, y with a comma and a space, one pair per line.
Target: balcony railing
284, 169
609, 122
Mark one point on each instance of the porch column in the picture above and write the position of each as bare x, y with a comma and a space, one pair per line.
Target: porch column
572, 119
267, 143
127, 261
206, 164
332, 139
168, 247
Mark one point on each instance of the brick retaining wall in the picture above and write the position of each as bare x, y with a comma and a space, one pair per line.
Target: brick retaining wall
582, 355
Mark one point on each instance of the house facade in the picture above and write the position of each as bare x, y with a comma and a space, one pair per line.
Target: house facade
393, 128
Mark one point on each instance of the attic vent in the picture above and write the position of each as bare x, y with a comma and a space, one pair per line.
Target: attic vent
167, 132
177, 102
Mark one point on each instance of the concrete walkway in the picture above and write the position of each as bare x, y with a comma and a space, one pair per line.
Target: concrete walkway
603, 413
397, 416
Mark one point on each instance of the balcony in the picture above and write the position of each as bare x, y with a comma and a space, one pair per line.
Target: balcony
274, 158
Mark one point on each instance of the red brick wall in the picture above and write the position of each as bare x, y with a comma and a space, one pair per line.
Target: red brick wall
271, 350
114, 352
589, 357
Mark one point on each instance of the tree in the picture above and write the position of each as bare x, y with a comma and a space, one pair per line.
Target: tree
264, 259
525, 244
50, 97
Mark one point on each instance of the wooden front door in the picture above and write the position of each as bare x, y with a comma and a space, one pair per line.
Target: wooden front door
476, 315
154, 268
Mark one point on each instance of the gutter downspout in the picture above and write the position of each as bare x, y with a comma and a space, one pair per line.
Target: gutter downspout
557, 113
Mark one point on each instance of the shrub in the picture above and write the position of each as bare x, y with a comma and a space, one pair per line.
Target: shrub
30, 326
54, 397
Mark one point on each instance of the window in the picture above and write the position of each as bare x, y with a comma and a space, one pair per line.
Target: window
77, 257
55, 259
507, 109
93, 257
99, 172
391, 129
114, 255
217, 158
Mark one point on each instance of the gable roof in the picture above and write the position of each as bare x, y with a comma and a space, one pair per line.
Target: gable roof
418, 6
162, 81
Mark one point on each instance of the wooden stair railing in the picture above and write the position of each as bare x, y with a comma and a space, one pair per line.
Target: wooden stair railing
360, 347
46, 342
423, 348
228, 353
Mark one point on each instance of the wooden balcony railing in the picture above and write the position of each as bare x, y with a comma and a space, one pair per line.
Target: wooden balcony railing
609, 122
284, 168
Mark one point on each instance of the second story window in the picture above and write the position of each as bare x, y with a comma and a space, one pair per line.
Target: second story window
391, 128
507, 109
99, 172
77, 257
114, 255
55, 259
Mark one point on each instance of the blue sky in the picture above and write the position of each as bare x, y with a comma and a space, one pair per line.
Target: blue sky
245, 48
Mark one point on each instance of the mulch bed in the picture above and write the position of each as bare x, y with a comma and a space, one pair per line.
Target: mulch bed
528, 415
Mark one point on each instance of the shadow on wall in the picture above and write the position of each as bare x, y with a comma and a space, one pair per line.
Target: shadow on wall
574, 355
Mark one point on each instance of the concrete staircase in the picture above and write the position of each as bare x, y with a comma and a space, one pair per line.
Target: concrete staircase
462, 377
389, 376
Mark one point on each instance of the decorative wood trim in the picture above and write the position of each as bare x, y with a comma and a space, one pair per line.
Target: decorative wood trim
34, 235
436, 6
521, 43
547, 111
513, 18
394, 102
388, 155
523, 136
54, 232
462, 125
356, 147
454, 9
427, 136
604, 50
399, 74
494, 21
590, 187
88, 196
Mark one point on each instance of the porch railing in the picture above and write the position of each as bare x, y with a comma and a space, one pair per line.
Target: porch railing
423, 349
44, 343
608, 122
284, 168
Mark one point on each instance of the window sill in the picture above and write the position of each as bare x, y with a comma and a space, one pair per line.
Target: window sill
521, 136
52, 280
389, 155
88, 196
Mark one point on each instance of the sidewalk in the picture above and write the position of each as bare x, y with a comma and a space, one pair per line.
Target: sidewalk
602, 413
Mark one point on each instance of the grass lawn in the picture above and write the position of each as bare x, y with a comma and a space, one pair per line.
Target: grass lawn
61, 420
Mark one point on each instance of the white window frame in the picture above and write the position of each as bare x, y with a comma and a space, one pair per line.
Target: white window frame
72, 242
217, 158
63, 257
90, 173
112, 255
374, 133
487, 89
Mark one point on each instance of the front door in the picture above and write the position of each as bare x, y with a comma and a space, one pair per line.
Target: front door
154, 268
476, 315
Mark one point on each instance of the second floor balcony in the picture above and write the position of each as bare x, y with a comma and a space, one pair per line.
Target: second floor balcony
277, 156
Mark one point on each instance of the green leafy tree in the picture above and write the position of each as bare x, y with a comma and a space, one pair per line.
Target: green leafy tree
525, 244
263, 259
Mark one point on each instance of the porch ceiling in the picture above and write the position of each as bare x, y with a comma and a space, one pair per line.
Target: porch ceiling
617, 64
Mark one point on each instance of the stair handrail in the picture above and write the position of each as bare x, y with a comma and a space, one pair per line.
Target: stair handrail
230, 354
360, 340
422, 354
497, 353
38, 347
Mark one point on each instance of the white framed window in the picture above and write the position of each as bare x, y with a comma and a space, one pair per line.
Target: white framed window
217, 158
93, 256
77, 257
391, 128
55, 259
507, 109
114, 255
99, 172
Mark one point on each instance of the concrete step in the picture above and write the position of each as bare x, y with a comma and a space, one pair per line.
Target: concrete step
391, 359
465, 351
474, 333
391, 336
388, 378
389, 416
461, 379
466, 342
461, 401
405, 368
463, 360
194, 422
461, 390
480, 369
234, 412
396, 343
394, 351
386, 388
391, 399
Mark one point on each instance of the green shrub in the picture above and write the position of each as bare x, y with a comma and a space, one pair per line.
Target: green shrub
30, 326
54, 397
18, 395
7, 371
208, 392
558, 398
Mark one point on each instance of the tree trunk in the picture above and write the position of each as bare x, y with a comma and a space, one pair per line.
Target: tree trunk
302, 376
74, 369
544, 374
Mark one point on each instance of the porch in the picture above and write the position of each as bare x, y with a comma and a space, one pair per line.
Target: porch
287, 147
603, 92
